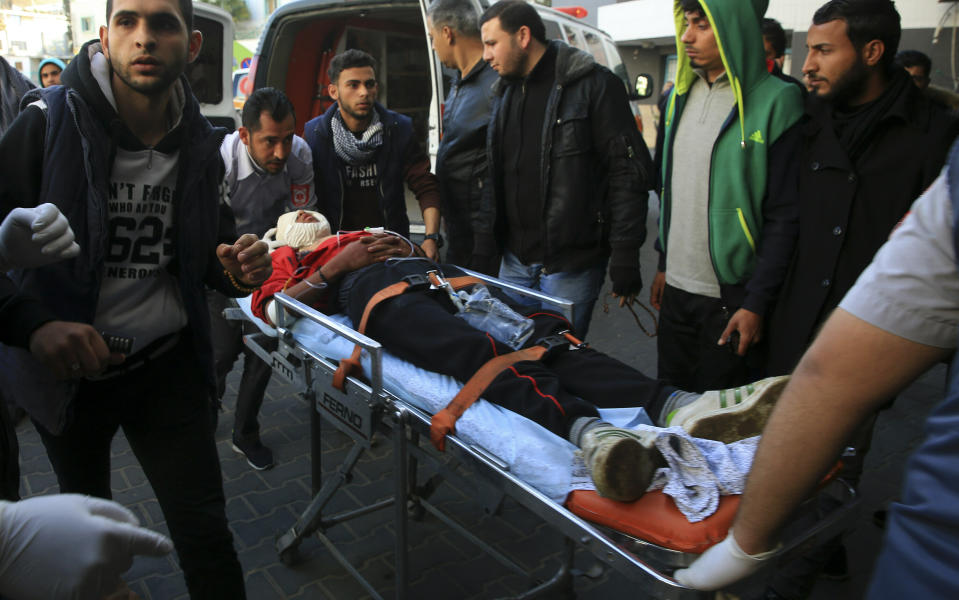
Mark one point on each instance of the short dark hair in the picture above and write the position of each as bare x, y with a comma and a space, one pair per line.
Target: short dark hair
692, 6
773, 32
269, 100
914, 58
186, 11
866, 20
514, 14
458, 15
350, 59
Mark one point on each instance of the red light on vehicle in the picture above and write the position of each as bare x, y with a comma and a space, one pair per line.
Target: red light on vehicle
251, 75
245, 86
574, 11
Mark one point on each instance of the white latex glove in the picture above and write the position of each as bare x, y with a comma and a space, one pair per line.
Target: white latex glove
33, 237
722, 565
68, 546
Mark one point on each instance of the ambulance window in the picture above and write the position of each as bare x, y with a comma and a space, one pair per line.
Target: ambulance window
205, 74
572, 37
552, 30
595, 44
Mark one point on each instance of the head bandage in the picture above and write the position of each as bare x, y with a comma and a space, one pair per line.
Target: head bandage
301, 235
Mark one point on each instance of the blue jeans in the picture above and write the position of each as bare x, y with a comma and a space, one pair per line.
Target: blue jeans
580, 287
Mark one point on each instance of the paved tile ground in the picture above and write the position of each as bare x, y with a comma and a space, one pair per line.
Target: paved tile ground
261, 504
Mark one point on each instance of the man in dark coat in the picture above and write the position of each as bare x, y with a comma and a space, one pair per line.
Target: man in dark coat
461, 166
569, 173
872, 144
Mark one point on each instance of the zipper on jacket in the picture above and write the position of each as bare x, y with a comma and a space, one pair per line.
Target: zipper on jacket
150, 159
745, 227
98, 261
342, 198
733, 77
552, 107
379, 186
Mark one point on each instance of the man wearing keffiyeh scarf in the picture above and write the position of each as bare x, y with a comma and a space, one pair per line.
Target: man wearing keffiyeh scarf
353, 150
363, 154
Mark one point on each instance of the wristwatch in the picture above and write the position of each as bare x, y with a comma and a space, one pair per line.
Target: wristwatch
436, 237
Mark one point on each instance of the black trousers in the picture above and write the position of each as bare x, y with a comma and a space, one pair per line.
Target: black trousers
227, 346
9, 454
420, 327
689, 357
169, 419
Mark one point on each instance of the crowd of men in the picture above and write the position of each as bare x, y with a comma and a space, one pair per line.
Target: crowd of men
775, 196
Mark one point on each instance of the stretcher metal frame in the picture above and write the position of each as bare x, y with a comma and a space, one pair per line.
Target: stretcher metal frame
366, 408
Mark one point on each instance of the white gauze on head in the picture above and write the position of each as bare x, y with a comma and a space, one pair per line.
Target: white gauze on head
301, 235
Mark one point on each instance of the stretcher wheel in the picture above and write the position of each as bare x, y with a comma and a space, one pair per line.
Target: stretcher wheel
286, 547
290, 556
594, 571
415, 510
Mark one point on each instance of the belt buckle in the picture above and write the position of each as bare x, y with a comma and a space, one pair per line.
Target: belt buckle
416, 281
553, 344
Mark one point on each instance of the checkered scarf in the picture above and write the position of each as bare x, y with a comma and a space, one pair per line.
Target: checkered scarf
357, 152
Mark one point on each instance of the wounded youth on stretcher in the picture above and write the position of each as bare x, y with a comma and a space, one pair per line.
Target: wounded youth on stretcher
369, 249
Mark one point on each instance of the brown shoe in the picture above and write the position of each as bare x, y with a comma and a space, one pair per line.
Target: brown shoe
621, 462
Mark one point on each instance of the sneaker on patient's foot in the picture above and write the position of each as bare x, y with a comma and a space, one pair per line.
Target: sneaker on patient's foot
257, 455
733, 414
621, 461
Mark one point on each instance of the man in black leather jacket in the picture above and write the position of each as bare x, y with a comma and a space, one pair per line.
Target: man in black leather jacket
569, 172
461, 158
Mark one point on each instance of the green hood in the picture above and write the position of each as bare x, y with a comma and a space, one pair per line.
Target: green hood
766, 107
735, 24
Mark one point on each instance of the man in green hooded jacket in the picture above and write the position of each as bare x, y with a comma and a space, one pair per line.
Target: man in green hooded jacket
729, 217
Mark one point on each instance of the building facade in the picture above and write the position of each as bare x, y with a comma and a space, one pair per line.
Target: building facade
31, 32
645, 34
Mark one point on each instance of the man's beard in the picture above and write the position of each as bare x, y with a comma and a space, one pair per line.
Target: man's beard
849, 85
514, 68
157, 85
368, 116
304, 235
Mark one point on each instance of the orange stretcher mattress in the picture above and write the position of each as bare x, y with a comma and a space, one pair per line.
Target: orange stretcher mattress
654, 518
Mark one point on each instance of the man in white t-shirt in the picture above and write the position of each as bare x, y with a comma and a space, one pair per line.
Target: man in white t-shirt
119, 335
269, 171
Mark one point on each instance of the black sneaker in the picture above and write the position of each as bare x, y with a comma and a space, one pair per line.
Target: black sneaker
257, 455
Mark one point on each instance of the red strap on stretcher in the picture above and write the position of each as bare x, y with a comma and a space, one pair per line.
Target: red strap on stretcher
352, 364
444, 421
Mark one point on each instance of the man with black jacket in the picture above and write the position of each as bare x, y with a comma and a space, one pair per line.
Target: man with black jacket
461, 158
569, 173
871, 144
119, 336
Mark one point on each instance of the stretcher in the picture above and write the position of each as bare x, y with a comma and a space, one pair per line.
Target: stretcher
645, 541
